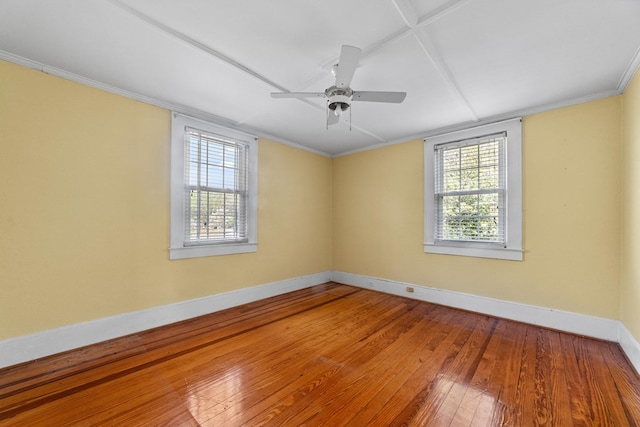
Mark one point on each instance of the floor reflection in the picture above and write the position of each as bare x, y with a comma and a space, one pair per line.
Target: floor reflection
463, 402
217, 398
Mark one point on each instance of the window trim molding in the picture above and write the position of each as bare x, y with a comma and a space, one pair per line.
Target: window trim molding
513, 249
177, 249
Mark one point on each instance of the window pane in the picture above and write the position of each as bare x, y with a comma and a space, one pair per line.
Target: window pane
214, 177
451, 159
215, 210
489, 177
488, 204
451, 181
469, 228
215, 154
193, 174
469, 179
229, 179
469, 205
230, 155
451, 205
488, 229
451, 228
194, 220
471, 185
469, 157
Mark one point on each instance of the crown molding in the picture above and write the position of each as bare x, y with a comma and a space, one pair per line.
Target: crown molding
177, 108
632, 69
486, 121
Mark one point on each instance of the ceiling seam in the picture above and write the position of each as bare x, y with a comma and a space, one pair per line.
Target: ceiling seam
212, 52
414, 22
410, 17
431, 53
440, 12
196, 44
407, 12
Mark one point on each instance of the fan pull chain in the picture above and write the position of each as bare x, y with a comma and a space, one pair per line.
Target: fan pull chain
327, 115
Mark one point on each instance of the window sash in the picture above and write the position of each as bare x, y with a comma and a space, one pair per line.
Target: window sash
470, 190
216, 189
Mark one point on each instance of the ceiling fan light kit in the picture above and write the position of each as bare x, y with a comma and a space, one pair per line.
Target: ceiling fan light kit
340, 95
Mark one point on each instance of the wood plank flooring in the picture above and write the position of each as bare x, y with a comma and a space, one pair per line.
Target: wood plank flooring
331, 355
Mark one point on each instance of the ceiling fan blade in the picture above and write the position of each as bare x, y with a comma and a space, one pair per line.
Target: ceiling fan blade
297, 94
373, 96
347, 64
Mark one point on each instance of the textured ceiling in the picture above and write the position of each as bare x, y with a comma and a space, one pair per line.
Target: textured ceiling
460, 61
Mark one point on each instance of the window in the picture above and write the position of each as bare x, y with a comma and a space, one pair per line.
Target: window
470, 190
473, 192
213, 190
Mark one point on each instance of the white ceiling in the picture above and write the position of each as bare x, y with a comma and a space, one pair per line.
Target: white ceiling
460, 61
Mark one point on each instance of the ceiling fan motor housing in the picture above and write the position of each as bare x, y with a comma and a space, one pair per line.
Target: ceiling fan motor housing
339, 97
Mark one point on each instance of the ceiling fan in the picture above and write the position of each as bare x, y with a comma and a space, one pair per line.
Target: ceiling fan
340, 95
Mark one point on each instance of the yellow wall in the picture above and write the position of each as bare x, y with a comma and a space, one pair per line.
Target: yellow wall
84, 212
84, 209
571, 216
630, 277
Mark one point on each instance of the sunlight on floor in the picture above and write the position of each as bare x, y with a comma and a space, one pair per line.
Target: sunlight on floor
217, 397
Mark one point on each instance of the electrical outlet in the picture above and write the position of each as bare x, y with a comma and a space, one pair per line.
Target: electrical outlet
410, 289
370, 284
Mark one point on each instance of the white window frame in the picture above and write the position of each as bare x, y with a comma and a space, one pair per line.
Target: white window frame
178, 247
512, 249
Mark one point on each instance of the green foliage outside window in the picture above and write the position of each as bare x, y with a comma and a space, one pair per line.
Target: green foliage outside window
471, 193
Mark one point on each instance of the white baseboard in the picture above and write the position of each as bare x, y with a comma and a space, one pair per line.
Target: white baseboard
45, 343
630, 346
597, 327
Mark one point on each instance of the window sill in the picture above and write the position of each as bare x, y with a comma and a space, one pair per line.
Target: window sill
211, 250
474, 251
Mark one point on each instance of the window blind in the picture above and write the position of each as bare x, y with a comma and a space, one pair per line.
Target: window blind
470, 190
217, 189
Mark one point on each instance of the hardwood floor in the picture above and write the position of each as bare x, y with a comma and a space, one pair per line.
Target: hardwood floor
330, 355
